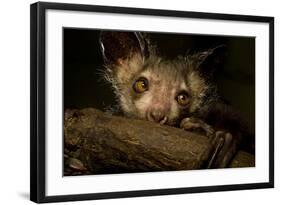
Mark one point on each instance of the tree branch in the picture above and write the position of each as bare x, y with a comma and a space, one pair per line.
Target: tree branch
99, 143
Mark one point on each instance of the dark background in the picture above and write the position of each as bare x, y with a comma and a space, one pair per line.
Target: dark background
84, 86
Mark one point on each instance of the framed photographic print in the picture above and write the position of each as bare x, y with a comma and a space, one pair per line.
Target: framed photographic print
129, 102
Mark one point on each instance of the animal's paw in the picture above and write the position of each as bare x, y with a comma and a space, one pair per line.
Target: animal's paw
197, 125
224, 144
224, 148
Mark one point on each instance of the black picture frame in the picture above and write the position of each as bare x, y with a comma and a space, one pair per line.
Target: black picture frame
38, 101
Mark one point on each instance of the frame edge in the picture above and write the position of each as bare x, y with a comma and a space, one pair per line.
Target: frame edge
37, 102
33, 102
154, 12
271, 102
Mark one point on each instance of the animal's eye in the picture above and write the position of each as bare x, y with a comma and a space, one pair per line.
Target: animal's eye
141, 85
182, 99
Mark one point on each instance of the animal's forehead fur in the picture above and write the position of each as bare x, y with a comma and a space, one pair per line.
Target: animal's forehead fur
171, 73
164, 81
167, 70
171, 70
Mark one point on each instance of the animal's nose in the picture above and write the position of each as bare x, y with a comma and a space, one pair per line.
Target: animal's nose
157, 116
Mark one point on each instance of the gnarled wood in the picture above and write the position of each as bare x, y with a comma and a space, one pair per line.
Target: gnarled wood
99, 143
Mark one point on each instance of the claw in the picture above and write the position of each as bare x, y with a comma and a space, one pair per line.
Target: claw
215, 153
225, 148
223, 143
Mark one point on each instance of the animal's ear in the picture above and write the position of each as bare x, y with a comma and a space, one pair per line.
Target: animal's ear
117, 47
209, 61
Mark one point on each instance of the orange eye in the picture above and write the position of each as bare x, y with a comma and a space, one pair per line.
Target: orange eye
141, 85
183, 99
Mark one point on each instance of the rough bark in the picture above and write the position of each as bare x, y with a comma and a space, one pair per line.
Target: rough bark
242, 159
99, 143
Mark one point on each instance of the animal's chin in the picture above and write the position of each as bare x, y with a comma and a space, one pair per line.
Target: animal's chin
164, 122
171, 123
142, 116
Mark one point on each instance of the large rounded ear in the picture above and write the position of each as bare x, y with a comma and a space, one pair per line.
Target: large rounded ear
209, 61
119, 46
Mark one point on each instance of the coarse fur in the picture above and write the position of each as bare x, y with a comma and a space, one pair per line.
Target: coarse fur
166, 79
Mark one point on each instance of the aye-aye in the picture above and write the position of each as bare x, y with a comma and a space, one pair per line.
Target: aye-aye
177, 92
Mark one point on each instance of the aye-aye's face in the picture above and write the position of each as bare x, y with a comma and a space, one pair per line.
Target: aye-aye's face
148, 87
158, 90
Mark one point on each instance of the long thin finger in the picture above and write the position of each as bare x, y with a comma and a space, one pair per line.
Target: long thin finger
215, 153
